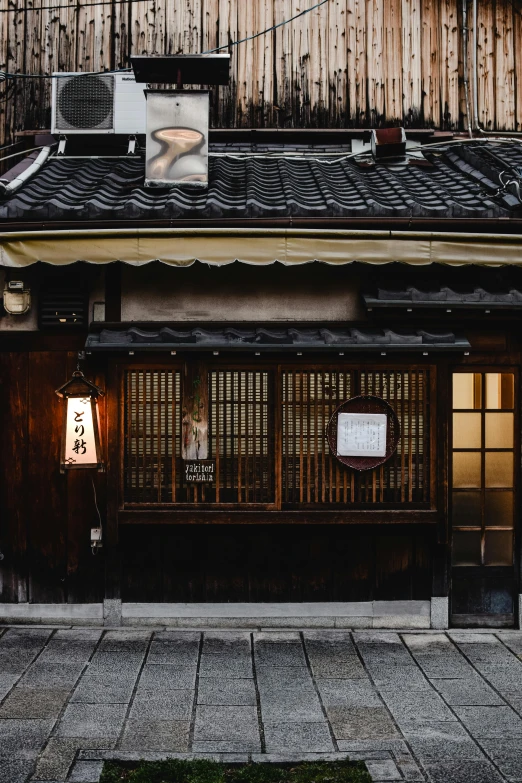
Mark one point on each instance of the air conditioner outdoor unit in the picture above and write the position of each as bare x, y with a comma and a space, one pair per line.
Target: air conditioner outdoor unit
97, 103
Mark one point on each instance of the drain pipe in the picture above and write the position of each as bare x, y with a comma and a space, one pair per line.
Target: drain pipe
6, 187
465, 39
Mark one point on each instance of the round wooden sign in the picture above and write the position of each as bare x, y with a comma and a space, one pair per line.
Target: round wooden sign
366, 405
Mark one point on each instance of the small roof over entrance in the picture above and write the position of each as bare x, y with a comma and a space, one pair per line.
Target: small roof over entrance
274, 338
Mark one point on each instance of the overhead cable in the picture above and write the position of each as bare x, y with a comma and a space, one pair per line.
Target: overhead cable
269, 30
73, 6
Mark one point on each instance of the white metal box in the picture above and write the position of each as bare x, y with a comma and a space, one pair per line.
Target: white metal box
101, 103
177, 138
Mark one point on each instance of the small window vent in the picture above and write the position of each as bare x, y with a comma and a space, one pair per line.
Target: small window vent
62, 306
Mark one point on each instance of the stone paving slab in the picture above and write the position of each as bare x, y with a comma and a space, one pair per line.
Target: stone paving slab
146, 734
283, 737
417, 706
215, 691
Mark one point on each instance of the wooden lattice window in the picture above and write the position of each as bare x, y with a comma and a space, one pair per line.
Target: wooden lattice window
311, 476
406, 477
152, 423
270, 447
242, 435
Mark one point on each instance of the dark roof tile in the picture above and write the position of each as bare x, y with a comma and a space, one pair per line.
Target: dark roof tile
462, 182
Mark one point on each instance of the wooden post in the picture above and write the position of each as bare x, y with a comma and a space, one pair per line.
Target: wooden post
195, 412
114, 403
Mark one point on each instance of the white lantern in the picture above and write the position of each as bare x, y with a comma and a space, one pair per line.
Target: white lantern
81, 430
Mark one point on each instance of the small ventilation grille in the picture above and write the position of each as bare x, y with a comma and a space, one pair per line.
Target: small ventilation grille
85, 102
62, 306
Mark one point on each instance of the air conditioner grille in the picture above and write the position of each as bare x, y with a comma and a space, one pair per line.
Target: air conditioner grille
85, 102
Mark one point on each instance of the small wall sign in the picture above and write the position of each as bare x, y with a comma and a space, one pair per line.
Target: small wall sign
361, 435
200, 471
364, 432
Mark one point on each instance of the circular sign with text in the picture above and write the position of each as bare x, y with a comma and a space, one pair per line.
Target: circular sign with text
364, 432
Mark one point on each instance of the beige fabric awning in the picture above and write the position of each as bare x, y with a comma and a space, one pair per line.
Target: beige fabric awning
182, 247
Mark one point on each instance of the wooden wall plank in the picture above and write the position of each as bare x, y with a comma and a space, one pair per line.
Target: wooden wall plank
375, 64
263, 47
47, 517
337, 64
430, 66
5, 87
486, 65
449, 63
517, 54
359, 111
13, 477
315, 33
15, 63
226, 21
393, 76
504, 66
288, 89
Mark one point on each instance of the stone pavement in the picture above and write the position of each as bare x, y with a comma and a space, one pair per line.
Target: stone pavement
416, 706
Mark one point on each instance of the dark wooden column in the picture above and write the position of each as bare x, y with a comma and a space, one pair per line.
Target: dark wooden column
441, 553
113, 405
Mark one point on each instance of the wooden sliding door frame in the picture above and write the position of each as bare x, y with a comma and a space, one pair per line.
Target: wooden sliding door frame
484, 571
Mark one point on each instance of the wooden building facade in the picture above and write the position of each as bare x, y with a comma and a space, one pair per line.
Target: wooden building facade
283, 521
226, 324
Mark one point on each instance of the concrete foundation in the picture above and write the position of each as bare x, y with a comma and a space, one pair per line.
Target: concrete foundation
440, 613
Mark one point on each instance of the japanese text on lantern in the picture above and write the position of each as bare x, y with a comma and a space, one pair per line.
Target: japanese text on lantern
361, 435
79, 439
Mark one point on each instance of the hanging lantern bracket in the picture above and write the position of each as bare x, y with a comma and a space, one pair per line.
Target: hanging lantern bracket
79, 386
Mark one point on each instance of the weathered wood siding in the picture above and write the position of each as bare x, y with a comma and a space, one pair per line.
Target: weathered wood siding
45, 516
350, 63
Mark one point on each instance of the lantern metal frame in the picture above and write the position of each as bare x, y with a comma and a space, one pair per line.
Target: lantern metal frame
81, 388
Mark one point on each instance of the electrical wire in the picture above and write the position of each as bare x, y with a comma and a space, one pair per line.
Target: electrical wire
269, 30
8, 146
96, 503
74, 6
24, 152
61, 75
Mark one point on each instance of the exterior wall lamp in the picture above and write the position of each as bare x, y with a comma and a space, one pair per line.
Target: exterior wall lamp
81, 428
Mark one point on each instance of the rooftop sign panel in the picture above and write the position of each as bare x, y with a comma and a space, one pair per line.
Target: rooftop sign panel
179, 69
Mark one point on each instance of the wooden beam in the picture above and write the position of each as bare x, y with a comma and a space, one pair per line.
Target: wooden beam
195, 516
